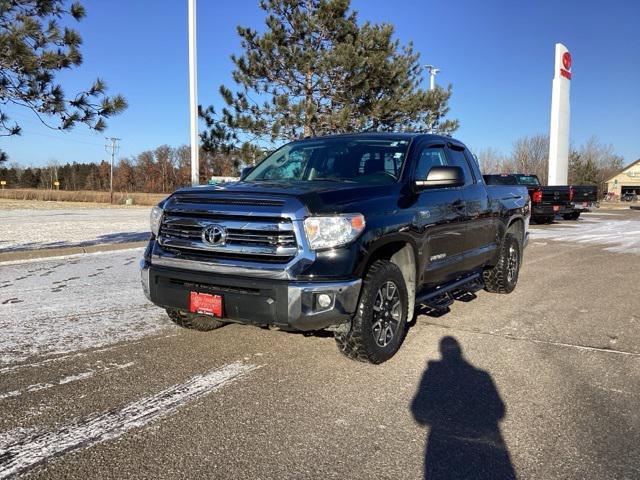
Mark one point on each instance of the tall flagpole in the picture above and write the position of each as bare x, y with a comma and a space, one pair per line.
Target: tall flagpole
193, 95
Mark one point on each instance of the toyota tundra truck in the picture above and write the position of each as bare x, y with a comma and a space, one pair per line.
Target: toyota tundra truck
346, 233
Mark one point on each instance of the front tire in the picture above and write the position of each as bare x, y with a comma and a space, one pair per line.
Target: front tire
202, 323
504, 276
380, 323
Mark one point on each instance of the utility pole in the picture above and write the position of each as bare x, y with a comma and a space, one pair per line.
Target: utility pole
433, 71
114, 147
193, 95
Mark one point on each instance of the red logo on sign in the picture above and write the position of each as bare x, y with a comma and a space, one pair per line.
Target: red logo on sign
566, 63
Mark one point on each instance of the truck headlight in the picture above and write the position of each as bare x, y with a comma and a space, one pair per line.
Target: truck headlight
155, 219
329, 232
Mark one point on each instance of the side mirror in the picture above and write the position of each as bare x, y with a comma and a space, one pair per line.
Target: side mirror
245, 171
441, 177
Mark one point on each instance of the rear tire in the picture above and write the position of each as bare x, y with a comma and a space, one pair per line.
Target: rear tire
380, 323
571, 216
504, 276
202, 323
549, 220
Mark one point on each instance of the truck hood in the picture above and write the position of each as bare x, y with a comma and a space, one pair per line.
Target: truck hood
319, 197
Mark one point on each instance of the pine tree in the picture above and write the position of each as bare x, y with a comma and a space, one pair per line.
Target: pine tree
34, 47
315, 70
29, 178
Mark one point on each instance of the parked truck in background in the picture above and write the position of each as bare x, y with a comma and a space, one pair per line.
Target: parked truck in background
546, 201
584, 199
344, 233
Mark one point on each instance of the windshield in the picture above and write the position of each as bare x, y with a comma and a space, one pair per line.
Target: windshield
507, 179
527, 180
347, 159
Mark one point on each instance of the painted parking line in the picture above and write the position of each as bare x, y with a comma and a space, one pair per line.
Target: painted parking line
20, 455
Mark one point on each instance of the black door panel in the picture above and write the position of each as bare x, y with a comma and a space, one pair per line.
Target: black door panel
440, 215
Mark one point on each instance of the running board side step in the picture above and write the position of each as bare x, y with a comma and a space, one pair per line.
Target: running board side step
444, 295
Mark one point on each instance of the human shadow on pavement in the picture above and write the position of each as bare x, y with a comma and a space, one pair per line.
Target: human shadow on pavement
463, 408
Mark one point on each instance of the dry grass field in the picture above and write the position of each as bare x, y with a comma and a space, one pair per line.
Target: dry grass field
119, 198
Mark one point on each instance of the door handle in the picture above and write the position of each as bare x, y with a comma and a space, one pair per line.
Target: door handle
459, 205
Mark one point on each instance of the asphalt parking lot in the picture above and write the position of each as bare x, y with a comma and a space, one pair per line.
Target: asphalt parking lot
543, 383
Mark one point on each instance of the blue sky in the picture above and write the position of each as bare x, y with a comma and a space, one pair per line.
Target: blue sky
497, 54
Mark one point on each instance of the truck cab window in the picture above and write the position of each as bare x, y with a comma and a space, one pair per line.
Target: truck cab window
430, 157
457, 158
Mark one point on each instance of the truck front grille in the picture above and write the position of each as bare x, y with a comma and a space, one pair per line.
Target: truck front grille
254, 239
218, 200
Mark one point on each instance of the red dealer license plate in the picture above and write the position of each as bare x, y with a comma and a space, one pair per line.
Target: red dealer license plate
556, 208
205, 303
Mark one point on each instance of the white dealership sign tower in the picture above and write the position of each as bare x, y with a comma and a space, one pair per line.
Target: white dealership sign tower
560, 113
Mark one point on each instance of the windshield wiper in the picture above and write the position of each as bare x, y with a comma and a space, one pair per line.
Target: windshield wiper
332, 179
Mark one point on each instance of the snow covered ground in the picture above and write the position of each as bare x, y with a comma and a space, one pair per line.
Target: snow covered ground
616, 232
27, 229
67, 304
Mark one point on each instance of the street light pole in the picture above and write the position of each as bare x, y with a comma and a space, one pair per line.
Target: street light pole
193, 95
433, 71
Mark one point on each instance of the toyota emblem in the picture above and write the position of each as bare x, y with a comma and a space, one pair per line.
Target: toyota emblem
214, 235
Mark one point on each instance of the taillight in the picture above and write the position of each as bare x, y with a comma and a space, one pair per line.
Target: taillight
537, 196
570, 193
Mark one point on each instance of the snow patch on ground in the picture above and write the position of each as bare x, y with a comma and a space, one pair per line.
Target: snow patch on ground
37, 229
99, 367
22, 452
620, 236
58, 306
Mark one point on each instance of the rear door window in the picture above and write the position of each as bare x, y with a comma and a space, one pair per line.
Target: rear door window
457, 158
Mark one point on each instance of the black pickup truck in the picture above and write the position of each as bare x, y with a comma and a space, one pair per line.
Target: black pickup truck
344, 233
546, 201
584, 198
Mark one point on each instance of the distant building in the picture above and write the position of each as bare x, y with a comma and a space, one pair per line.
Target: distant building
627, 181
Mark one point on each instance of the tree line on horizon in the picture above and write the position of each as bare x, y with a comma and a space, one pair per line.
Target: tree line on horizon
162, 170
165, 169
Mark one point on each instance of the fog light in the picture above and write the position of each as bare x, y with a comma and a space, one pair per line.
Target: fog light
324, 300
